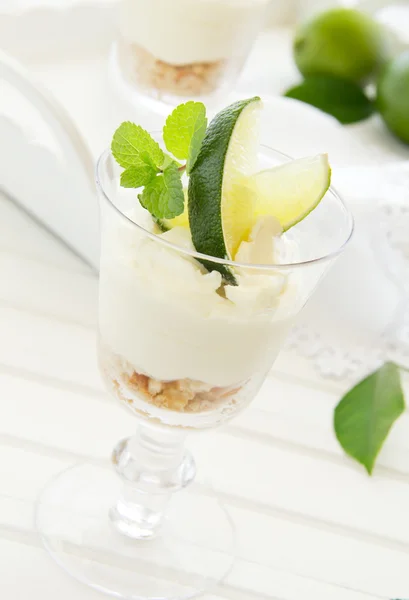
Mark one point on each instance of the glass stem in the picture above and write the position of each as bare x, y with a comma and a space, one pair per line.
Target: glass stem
153, 464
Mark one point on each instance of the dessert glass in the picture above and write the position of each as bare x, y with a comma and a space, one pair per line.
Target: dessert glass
170, 50
181, 352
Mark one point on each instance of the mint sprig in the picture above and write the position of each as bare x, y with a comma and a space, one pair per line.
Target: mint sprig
134, 177
147, 165
365, 415
184, 131
163, 196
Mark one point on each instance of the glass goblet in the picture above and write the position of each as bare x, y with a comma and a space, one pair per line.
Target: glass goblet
183, 352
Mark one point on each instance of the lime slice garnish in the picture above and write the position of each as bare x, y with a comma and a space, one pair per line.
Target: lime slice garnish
226, 198
291, 191
220, 203
288, 192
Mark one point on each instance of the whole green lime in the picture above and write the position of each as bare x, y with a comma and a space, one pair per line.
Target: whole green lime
342, 42
393, 96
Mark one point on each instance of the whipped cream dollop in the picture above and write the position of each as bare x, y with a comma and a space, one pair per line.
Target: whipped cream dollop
184, 31
170, 318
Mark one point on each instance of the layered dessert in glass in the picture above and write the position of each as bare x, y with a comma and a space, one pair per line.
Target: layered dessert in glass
173, 338
185, 48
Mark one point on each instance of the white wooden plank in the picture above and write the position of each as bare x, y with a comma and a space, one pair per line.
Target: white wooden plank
276, 557
278, 430
22, 236
279, 478
49, 290
62, 419
305, 485
321, 555
259, 579
250, 580
24, 474
291, 412
48, 347
28, 572
304, 416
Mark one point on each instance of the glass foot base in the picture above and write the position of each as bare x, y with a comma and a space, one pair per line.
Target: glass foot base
192, 553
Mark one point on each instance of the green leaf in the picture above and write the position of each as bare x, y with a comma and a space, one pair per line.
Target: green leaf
134, 177
366, 413
168, 160
184, 131
148, 160
340, 98
132, 146
163, 197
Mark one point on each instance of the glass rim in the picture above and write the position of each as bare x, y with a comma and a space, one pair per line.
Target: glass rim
224, 261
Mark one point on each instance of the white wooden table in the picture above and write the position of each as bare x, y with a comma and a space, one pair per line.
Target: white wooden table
310, 523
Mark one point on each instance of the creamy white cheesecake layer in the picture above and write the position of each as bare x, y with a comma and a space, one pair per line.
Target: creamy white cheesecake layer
159, 309
186, 31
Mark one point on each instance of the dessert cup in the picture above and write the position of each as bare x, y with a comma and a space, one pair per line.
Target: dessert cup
181, 351
185, 48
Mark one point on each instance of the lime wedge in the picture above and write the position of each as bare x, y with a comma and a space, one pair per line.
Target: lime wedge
220, 202
291, 191
226, 198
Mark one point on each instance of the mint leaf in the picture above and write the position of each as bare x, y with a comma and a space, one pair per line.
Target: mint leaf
132, 146
184, 131
366, 413
163, 197
168, 160
134, 177
148, 160
338, 97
